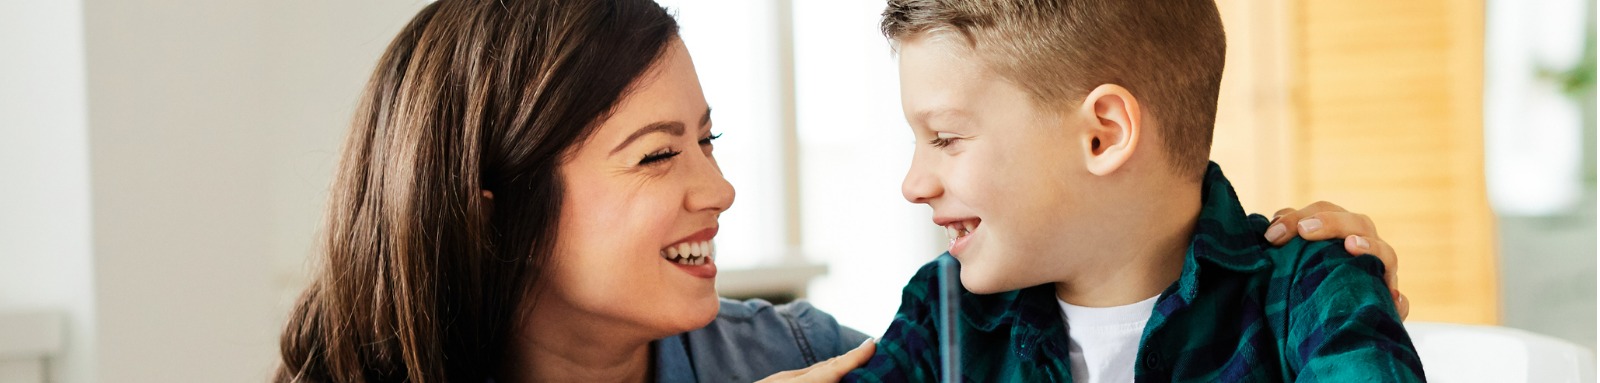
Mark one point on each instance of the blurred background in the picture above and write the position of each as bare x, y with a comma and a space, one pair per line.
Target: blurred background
164, 163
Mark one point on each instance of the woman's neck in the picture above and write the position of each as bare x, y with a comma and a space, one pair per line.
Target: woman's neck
560, 344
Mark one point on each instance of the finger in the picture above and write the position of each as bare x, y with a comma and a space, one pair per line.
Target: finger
1330, 225
1322, 207
1402, 305
1281, 212
835, 368
1283, 226
1358, 245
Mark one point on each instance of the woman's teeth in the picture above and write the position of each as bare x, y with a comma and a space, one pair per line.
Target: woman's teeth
690, 253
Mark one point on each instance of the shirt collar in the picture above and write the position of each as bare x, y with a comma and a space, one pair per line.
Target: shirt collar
672, 360
1223, 235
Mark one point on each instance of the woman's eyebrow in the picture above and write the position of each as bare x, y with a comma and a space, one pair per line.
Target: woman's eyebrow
673, 127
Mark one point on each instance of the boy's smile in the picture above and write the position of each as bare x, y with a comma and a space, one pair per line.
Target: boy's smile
960, 231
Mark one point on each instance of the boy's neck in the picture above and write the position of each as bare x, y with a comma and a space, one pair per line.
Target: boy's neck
1147, 259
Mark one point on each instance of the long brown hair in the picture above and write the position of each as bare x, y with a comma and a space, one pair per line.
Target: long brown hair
423, 279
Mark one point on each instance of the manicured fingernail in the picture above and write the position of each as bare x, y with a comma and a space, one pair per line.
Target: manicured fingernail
1310, 225
865, 342
1361, 243
1275, 232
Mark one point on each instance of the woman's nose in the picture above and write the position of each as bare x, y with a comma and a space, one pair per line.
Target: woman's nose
711, 191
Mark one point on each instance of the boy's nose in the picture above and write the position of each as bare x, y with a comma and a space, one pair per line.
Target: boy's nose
920, 186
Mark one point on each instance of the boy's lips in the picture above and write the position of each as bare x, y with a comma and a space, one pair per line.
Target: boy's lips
960, 231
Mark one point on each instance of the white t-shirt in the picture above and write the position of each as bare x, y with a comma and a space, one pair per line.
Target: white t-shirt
1105, 340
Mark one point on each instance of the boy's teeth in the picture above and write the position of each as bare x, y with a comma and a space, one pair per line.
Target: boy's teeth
956, 230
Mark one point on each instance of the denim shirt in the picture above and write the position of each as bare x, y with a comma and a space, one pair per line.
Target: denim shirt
751, 340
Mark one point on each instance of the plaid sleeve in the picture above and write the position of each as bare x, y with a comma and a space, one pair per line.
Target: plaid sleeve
908, 351
1342, 322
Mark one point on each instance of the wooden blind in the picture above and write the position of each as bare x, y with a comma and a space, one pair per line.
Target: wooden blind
1377, 106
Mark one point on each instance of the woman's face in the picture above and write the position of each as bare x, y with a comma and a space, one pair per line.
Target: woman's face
641, 204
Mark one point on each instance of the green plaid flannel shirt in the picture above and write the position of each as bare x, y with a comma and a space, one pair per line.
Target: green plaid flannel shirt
1242, 311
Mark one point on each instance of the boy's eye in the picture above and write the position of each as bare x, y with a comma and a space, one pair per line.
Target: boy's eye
943, 140
658, 156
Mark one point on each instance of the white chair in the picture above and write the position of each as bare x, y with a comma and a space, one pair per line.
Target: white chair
1468, 353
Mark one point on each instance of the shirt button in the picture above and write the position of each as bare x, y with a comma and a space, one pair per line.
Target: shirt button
1153, 361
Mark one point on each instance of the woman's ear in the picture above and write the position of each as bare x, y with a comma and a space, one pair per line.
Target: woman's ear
488, 199
1111, 140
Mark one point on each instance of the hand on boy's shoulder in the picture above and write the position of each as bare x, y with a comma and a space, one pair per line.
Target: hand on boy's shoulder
1311, 260
1323, 220
1338, 314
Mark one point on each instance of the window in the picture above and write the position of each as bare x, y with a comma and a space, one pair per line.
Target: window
806, 94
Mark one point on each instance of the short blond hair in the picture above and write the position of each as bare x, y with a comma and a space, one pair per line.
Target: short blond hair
1169, 53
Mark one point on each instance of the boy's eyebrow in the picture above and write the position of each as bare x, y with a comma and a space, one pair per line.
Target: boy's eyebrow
675, 128
927, 114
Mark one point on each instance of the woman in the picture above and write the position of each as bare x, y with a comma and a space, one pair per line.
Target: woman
528, 193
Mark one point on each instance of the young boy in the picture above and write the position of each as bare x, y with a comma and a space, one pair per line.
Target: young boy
1056, 139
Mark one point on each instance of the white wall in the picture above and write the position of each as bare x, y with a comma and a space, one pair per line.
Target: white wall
163, 167
44, 172
178, 155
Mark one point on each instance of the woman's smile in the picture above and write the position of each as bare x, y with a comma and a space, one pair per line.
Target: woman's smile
694, 254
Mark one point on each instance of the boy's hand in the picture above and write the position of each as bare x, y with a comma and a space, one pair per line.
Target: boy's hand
830, 370
1324, 220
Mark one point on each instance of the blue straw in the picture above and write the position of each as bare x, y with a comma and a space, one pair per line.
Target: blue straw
950, 309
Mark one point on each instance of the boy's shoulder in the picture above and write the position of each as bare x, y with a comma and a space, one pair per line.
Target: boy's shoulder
1300, 267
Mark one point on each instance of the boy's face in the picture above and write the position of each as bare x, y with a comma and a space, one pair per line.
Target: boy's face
1002, 174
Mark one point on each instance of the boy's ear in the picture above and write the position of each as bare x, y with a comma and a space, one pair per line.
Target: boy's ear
1115, 132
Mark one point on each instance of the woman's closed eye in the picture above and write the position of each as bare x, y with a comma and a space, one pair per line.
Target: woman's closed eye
707, 140
661, 156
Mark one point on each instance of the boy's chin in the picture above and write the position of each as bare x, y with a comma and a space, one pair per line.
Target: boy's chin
978, 281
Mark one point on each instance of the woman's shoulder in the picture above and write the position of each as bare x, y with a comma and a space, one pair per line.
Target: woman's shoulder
795, 326
751, 339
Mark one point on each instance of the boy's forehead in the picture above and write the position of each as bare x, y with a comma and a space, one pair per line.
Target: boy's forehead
941, 79
931, 71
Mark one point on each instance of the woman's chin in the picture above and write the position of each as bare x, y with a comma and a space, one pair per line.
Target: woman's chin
704, 311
